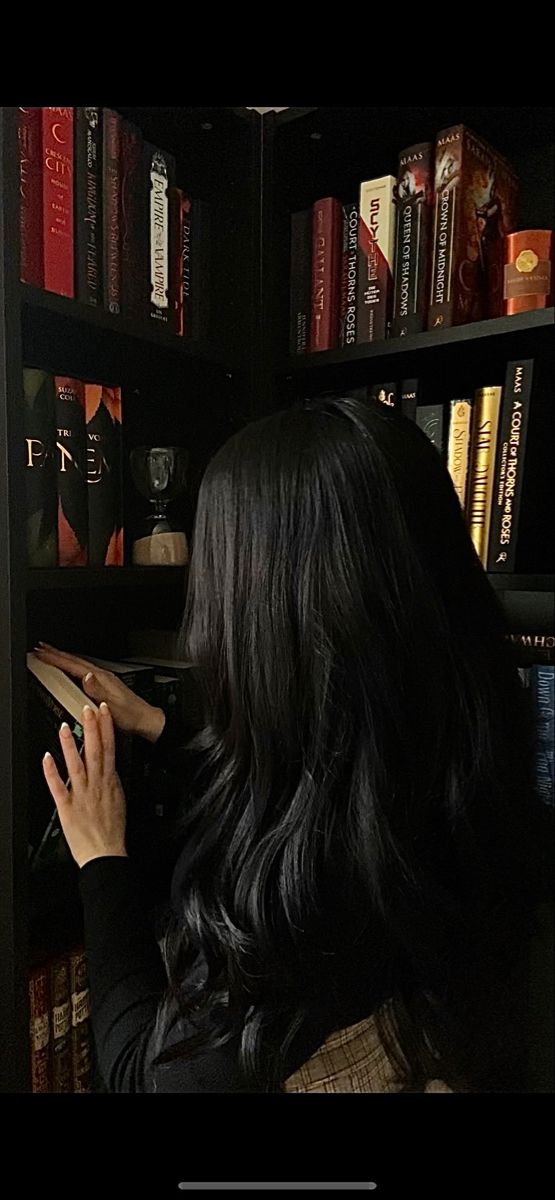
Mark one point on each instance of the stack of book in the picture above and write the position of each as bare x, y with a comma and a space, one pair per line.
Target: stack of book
102, 221
60, 1028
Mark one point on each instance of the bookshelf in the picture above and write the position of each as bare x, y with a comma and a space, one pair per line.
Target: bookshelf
253, 172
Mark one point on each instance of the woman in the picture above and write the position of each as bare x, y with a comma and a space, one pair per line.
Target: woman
359, 866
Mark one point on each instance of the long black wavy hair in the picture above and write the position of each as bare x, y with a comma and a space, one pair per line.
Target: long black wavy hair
365, 802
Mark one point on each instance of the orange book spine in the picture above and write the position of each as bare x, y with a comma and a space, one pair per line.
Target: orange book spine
528, 281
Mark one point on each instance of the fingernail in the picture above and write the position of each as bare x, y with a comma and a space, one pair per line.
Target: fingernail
44, 644
64, 728
88, 676
47, 757
87, 712
104, 707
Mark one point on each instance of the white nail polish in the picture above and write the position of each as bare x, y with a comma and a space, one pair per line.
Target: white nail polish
64, 726
47, 757
88, 676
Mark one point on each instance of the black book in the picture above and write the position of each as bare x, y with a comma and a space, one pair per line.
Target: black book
73, 512
300, 281
410, 395
39, 399
386, 393
429, 417
197, 272
88, 205
414, 208
509, 465
111, 192
104, 475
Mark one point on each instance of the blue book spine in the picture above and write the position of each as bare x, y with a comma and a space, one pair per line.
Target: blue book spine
543, 685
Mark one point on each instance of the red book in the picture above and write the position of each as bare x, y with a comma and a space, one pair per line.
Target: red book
57, 200
81, 1039
327, 228
179, 206
29, 132
39, 1012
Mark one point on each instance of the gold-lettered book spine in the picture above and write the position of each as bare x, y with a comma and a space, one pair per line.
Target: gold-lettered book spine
487, 405
458, 446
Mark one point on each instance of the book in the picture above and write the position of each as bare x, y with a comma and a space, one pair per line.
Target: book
133, 257
135, 675
487, 404
475, 207
183, 671
104, 475
414, 194
543, 694
410, 395
386, 393
88, 205
528, 271
327, 223
81, 1034
39, 1032
73, 517
177, 202
53, 698
167, 692
60, 1021
57, 200
534, 647
458, 446
29, 137
160, 168
348, 335
509, 465
39, 407
376, 250
429, 418
201, 257
300, 281
111, 192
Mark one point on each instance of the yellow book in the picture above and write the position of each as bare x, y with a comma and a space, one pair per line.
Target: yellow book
458, 446
487, 405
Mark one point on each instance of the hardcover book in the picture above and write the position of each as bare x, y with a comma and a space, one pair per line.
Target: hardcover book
410, 395
543, 693
57, 200
39, 400
349, 275
300, 281
81, 1036
88, 205
73, 517
111, 191
376, 249
327, 219
475, 208
39, 1011
200, 271
429, 418
487, 404
60, 1011
160, 169
509, 465
177, 202
458, 446
414, 193
29, 135
104, 475
133, 200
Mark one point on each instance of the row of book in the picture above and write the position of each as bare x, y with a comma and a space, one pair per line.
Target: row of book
483, 441
102, 221
539, 681
73, 471
60, 1028
424, 250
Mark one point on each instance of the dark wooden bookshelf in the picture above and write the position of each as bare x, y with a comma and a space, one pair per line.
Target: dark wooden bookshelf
420, 343
253, 172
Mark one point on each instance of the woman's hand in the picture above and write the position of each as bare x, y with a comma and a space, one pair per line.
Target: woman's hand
130, 712
92, 814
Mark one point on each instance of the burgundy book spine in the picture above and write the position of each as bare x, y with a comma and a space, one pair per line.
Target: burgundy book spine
80, 1023
327, 222
57, 199
177, 201
132, 220
29, 132
60, 1012
72, 473
111, 184
39, 1006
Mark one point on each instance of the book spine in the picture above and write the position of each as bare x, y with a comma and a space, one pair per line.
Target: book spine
458, 446
81, 1040
376, 249
528, 271
448, 163
326, 254
161, 172
543, 691
60, 1000
72, 473
104, 475
29, 134
497, 218
534, 647
349, 276
39, 1006
88, 205
133, 254
410, 393
176, 247
429, 418
414, 210
509, 465
40, 468
199, 302
57, 200
487, 404
300, 281
111, 191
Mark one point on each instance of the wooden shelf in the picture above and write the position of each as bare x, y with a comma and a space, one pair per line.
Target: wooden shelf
98, 318
499, 327
61, 578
